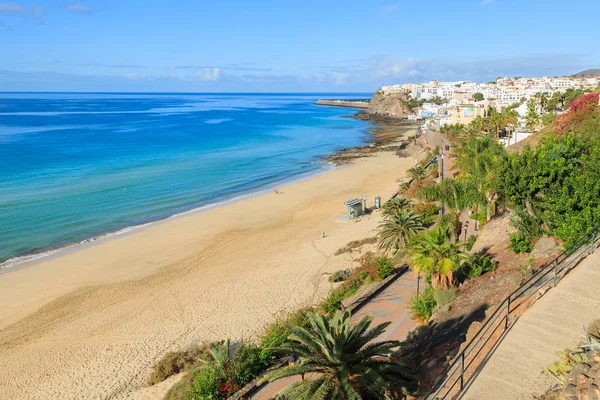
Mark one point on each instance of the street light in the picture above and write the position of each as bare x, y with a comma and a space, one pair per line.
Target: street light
442, 176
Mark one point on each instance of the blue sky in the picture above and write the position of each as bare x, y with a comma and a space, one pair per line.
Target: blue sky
284, 45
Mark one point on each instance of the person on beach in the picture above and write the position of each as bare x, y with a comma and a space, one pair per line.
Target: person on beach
276, 191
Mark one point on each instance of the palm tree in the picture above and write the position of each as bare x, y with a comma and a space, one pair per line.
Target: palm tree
396, 231
468, 132
480, 124
532, 120
395, 206
456, 194
417, 172
434, 255
477, 160
343, 361
496, 123
511, 117
543, 99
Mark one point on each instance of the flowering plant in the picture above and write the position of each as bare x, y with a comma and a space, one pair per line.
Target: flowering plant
581, 108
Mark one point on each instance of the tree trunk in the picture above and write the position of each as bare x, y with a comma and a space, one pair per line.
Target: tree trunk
529, 208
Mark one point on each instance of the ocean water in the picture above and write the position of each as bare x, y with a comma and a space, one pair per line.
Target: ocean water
76, 166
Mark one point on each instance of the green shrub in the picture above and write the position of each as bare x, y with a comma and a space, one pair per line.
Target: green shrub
422, 305
526, 224
480, 217
444, 297
277, 333
248, 362
478, 266
428, 212
175, 362
519, 243
371, 270
205, 383
333, 302
339, 276
471, 242
385, 266
227, 371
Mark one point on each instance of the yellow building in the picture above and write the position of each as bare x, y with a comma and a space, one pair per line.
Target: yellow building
465, 113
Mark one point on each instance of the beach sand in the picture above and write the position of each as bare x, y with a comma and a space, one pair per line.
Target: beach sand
91, 323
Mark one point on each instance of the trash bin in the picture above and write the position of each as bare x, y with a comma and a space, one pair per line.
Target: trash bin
377, 202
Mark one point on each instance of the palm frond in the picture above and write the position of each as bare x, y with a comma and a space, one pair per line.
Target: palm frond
346, 360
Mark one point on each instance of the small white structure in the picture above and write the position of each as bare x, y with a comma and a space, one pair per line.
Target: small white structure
515, 137
356, 207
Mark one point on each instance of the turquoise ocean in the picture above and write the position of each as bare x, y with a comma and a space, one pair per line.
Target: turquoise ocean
77, 166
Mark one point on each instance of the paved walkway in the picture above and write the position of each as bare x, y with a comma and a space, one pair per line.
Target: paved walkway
553, 323
389, 305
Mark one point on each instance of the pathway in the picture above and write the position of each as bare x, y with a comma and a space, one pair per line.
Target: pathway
390, 305
555, 322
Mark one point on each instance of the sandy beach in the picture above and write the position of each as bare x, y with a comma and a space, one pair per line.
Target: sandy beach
91, 323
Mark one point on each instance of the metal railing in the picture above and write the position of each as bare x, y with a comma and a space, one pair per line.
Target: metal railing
462, 369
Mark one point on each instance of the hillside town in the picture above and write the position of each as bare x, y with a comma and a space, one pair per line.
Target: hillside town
461, 102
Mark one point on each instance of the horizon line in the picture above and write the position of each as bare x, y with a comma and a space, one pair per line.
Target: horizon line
167, 92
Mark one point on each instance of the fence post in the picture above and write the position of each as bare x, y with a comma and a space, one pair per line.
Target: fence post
555, 270
462, 370
593, 240
507, 313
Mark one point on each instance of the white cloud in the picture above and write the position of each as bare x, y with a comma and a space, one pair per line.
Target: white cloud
77, 8
208, 74
12, 8
339, 78
392, 7
486, 2
8, 8
386, 69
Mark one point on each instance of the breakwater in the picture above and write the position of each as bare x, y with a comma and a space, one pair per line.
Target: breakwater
344, 103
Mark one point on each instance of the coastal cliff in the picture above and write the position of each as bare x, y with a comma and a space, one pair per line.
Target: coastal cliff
390, 106
382, 108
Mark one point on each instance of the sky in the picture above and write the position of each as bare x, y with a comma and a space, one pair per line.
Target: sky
288, 45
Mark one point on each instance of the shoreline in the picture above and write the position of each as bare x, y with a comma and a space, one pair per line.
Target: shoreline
372, 143
30, 259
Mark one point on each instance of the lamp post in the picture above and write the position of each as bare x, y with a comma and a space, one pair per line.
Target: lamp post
442, 175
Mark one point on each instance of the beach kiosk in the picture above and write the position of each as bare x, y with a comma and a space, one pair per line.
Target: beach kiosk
356, 207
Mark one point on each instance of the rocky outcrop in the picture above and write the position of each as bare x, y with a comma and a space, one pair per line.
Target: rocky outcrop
583, 380
386, 106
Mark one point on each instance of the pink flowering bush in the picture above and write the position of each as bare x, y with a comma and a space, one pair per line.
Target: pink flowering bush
582, 110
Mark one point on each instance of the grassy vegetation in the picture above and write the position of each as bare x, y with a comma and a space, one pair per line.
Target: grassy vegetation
422, 305
519, 243
477, 266
175, 362
373, 269
355, 244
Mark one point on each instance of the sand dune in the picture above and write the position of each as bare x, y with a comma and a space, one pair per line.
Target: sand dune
90, 324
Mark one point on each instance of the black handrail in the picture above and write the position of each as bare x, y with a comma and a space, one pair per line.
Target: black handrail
465, 359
